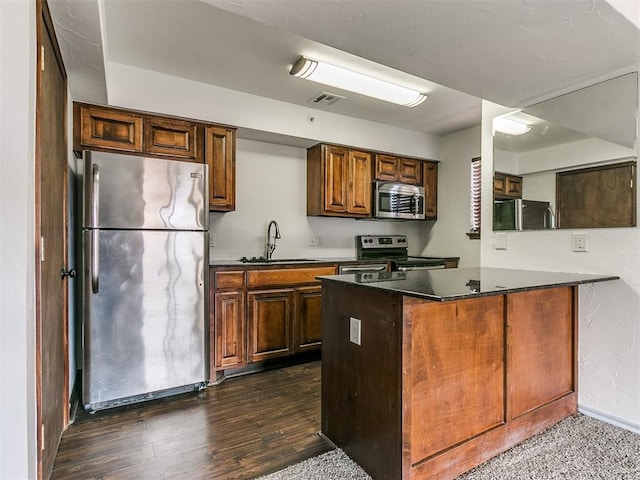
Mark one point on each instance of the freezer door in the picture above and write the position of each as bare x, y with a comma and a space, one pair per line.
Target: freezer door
125, 191
145, 327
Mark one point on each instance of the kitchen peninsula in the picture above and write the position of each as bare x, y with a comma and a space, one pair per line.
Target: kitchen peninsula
426, 374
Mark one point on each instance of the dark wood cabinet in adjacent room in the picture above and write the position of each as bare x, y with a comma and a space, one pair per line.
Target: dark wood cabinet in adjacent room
506, 186
596, 197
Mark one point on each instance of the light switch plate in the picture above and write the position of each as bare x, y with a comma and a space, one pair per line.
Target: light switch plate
212, 239
501, 241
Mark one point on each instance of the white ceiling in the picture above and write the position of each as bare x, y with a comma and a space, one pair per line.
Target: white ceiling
511, 52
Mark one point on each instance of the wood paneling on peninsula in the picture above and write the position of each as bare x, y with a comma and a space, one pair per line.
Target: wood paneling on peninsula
438, 387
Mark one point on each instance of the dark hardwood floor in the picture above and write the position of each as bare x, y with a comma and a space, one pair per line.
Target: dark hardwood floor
243, 428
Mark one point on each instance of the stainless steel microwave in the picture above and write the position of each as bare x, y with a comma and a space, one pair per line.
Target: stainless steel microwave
398, 200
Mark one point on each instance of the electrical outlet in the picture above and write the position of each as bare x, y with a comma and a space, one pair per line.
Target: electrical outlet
355, 331
580, 242
212, 239
315, 241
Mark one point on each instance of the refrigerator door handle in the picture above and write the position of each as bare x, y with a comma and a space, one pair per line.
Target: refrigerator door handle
95, 261
95, 195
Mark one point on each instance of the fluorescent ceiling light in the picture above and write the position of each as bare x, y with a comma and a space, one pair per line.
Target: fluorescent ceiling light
510, 127
356, 82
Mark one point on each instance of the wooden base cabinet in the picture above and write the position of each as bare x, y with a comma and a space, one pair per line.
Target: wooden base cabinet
260, 314
436, 388
308, 324
270, 329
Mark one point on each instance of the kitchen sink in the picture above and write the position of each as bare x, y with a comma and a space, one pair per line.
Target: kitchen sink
263, 260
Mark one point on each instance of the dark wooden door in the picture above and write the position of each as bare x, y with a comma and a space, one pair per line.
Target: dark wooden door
431, 189
51, 297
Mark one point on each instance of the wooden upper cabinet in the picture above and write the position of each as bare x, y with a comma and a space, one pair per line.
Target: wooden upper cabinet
506, 186
221, 158
106, 128
359, 189
140, 133
397, 169
173, 138
338, 181
431, 190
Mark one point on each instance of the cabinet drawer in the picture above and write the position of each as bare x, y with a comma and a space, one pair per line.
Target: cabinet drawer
287, 276
227, 280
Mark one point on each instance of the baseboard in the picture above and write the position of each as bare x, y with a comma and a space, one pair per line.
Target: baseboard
612, 419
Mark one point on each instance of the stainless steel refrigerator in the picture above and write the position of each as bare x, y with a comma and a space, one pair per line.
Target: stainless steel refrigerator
521, 214
144, 277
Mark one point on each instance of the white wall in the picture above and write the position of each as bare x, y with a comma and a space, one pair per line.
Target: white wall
609, 324
271, 185
271, 179
17, 246
447, 236
141, 89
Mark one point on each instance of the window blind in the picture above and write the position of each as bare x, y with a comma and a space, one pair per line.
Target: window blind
475, 189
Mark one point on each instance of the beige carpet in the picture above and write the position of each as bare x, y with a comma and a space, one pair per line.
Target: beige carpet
577, 448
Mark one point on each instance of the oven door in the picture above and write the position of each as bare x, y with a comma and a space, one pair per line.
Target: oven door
362, 268
399, 201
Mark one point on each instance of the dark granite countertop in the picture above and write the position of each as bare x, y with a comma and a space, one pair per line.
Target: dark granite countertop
302, 261
460, 283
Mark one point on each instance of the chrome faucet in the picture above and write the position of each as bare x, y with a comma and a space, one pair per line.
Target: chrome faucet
270, 247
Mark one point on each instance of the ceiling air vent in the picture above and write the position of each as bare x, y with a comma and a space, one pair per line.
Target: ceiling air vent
326, 98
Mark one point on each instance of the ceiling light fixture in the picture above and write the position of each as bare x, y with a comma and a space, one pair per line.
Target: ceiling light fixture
510, 127
356, 82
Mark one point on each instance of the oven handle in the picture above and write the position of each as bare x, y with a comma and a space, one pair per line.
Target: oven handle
408, 268
362, 268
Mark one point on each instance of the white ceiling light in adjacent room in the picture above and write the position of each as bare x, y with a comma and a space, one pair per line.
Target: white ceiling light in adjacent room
356, 82
510, 127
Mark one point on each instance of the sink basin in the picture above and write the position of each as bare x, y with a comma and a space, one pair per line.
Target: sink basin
263, 260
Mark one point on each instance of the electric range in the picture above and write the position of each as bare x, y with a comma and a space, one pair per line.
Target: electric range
394, 249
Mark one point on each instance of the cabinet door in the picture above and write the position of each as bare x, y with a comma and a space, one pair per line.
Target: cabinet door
269, 322
499, 185
336, 180
513, 186
228, 329
410, 171
359, 190
308, 320
431, 189
220, 156
386, 168
106, 128
175, 138
541, 345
